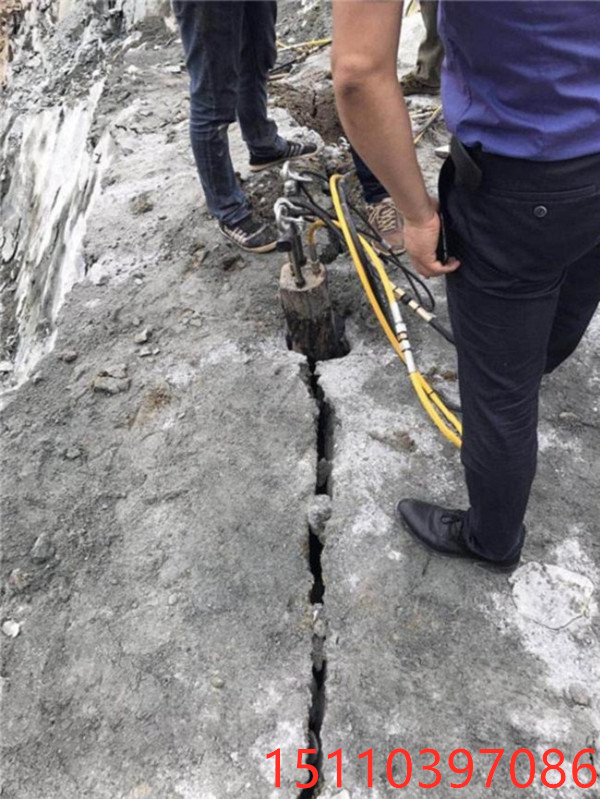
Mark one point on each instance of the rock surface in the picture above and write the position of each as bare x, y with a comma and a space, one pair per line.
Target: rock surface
200, 560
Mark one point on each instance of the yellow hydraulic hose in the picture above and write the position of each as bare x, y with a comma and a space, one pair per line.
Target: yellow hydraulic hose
450, 427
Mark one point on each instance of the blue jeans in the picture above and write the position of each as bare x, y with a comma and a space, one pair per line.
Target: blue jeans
229, 49
373, 191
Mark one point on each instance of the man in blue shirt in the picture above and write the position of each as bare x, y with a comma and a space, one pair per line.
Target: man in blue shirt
520, 197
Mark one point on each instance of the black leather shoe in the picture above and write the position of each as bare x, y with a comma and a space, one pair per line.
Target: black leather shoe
441, 530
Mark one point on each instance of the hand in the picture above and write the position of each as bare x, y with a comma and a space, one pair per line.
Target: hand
421, 240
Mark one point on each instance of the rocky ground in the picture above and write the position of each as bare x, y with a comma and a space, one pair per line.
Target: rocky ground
200, 563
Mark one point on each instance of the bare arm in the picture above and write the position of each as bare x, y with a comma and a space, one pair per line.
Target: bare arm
375, 117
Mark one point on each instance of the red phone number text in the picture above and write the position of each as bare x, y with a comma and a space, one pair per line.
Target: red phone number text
401, 769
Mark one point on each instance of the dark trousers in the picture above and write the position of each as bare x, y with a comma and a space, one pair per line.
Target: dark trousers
431, 49
528, 239
373, 191
229, 49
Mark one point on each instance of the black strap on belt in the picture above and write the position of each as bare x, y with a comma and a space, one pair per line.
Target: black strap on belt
468, 173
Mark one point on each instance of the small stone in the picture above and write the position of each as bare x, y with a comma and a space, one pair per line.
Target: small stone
42, 550
6, 367
323, 472
118, 370
37, 378
319, 514
18, 580
173, 69
173, 599
143, 336
72, 453
145, 352
342, 795
11, 628
110, 385
136, 321
568, 416
69, 356
579, 695
319, 628
141, 203
217, 682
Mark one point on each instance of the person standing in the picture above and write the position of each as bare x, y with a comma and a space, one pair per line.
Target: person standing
229, 49
520, 196
425, 78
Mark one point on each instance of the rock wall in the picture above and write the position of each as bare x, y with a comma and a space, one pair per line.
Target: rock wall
54, 152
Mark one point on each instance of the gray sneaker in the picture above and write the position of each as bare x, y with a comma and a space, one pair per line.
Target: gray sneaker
250, 235
386, 219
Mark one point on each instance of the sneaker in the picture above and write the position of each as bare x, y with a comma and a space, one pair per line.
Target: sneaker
251, 235
441, 530
386, 219
412, 84
293, 150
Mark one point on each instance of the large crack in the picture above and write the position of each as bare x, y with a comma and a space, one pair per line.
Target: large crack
323, 487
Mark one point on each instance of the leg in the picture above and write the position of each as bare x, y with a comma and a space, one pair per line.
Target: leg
431, 50
578, 299
373, 191
258, 55
501, 355
211, 33
516, 271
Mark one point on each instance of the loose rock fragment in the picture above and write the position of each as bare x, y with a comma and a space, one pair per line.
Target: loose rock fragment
143, 336
112, 380
11, 628
69, 356
18, 580
42, 550
141, 204
579, 695
217, 682
6, 367
319, 514
72, 453
110, 385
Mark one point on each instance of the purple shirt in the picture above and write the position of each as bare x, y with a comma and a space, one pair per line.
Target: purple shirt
522, 79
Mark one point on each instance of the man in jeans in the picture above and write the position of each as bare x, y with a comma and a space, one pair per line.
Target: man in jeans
229, 49
520, 196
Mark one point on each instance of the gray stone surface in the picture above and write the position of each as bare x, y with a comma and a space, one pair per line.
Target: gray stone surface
425, 652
